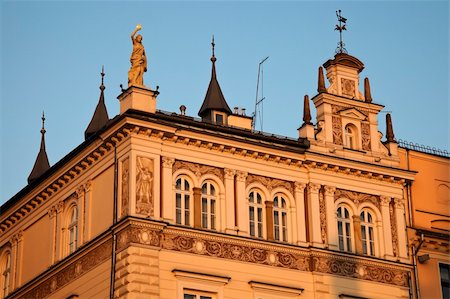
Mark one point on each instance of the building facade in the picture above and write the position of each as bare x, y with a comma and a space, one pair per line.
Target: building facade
165, 205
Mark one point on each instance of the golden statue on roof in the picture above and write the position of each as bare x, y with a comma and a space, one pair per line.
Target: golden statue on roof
138, 60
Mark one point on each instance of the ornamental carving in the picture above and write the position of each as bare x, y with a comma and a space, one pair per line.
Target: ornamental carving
299, 187
348, 87
270, 183
167, 162
125, 192
323, 218
365, 136
357, 197
337, 130
144, 186
393, 228
83, 265
198, 169
229, 173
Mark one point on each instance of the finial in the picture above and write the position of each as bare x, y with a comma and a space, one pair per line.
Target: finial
367, 93
102, 87
306, 111
43, 123
321, 82
213, 57
341, 27
389, 130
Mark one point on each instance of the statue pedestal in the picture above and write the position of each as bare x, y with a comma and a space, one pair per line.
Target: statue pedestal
138, 98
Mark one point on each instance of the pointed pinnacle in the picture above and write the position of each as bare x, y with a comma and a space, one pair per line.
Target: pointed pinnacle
321, 82
43, 123
389, 129
306, 111
367, 93
102, 87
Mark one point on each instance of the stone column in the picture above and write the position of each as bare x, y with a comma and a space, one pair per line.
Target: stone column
53, 232
301, 219
16, 258
87, 210
167, 201
230, 223
386, 233
197, 207
314, 215
269, 220
357, 234
332, 232
241, 203
81, 207
60, 231
401, 227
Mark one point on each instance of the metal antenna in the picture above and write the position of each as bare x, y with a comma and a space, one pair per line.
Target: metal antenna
259, 102
341, 27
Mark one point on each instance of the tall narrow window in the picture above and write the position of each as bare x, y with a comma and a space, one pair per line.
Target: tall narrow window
367, 232
6, 275
280, 218
255, 213
73, 229
344, 229
182, 201
350, 136
209, 208
444, 271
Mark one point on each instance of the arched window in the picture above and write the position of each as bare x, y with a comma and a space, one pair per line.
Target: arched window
182, 201
209, 205
73, 229
350, 135
280, 218
255, 213
344, 229
367, 232
6, 274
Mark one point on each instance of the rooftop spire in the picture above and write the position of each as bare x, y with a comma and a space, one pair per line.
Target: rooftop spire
367, 93
41, 164
214, 99
389, 130
340, 27
321, 82
306, 111
100, 117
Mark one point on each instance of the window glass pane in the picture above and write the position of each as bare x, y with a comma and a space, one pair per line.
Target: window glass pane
204, 189
260, 230
205, 297
213, 190
219, 119
277, 233
275, 202
186, 202
341, 243
252, 213
361, 216
178, 184
283, 219
259, 215
186, 185
213, 206
178, 200
251, 197
189, 296
444, 270
178, 216
283, 203
346, 213
187, 221
275, 218
339, 212
252, 229
369, 218
258, 198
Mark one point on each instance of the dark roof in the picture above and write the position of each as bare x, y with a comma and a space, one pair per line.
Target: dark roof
347, 60
100, 117
214, 99
41, 164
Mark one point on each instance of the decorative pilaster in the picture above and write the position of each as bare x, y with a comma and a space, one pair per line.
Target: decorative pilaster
331, 218
51, 212
87, 211
16, 258
242, 212
197, 207
314, 215
168, 210
125, 187
230, 221
269, 220
60, 231
386, 219
81, 211
399, 206
299, 194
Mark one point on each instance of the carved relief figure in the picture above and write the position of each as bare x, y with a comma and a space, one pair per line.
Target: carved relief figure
125, 186
138, 60
365, 135
144, 186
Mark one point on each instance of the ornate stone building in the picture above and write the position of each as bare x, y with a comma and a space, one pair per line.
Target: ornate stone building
165, 205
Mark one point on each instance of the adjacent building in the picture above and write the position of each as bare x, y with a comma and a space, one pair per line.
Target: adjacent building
165, 205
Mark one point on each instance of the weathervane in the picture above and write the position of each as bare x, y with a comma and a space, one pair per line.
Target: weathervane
341, 27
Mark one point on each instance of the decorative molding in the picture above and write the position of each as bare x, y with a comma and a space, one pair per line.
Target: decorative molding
144, 186
337, 130
329, 190
18, 237
385, 201
365, 136
357, 197
88, 186
270, 183
198, 169
80, 191
348, 87
393, 228
241, 176
399, 203
60, 205
229, 173
125, 187
323, 217
314, 187
299, 187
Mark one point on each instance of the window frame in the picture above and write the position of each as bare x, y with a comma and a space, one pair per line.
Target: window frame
258, 210
351, 140
6, 269
347, 229
280, 229
368, 244
211, 202
182, 195
72, 241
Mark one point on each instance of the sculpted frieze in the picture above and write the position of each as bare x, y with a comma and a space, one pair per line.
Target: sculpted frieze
270, 183
357, 197
198, 169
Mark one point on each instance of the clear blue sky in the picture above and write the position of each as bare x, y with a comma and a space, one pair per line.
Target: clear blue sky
52, 53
